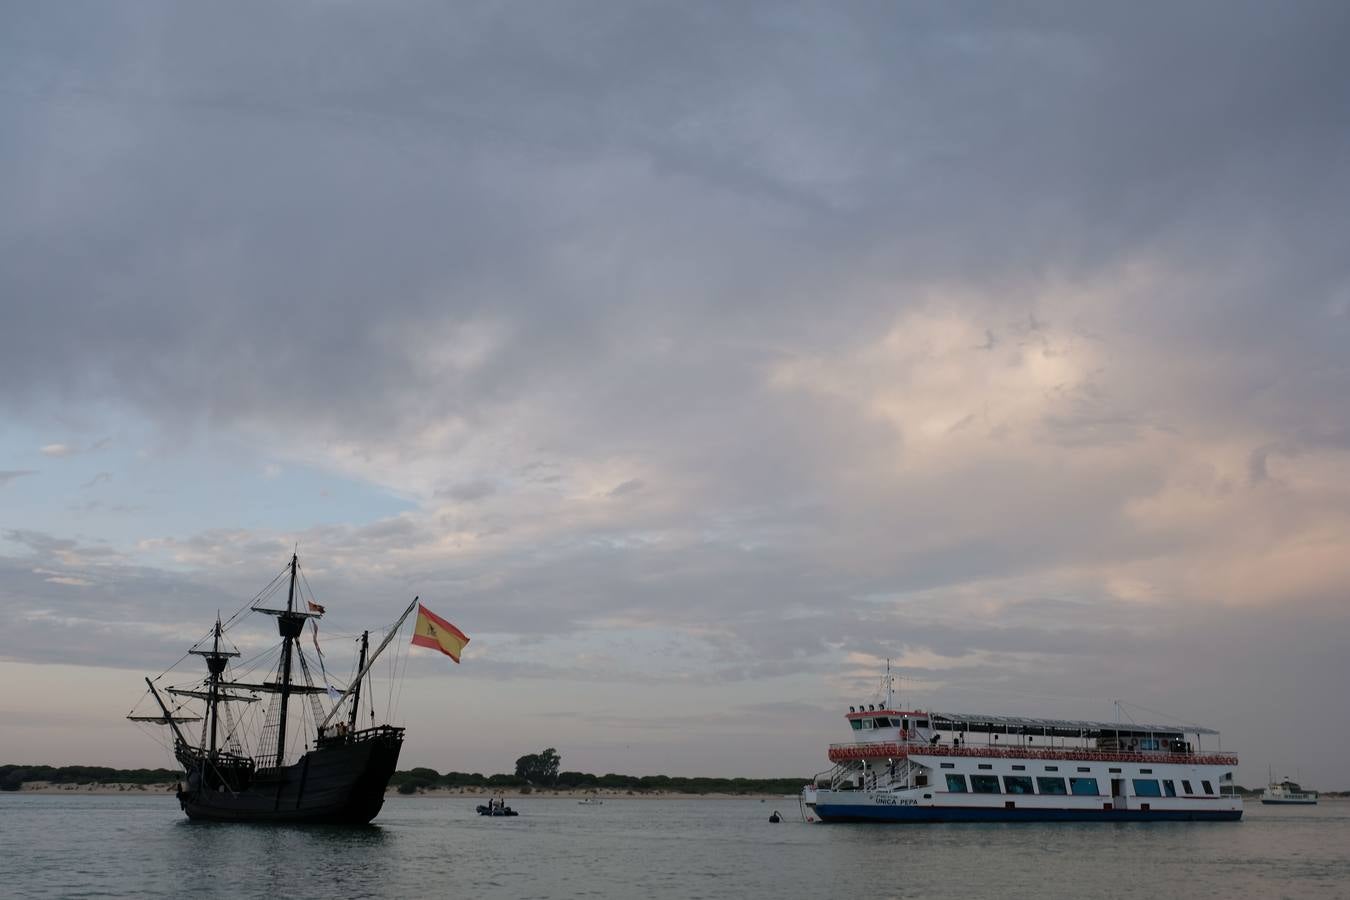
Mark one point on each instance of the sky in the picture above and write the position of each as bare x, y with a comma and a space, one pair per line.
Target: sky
694, 359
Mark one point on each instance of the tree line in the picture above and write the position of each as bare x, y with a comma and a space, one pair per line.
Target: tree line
422, 778
533, 771
12, 777
541, 771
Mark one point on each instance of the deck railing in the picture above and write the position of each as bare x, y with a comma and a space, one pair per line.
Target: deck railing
898, 750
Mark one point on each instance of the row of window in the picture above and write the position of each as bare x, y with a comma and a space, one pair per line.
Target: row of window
1021, 768
886, 722
1081, 787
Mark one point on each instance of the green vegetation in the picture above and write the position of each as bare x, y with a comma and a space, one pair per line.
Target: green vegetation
539, 771
13, 777
428, 778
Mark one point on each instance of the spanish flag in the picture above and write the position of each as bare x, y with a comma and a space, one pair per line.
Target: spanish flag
434, 632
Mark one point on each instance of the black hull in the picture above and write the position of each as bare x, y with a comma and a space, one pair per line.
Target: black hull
342, 782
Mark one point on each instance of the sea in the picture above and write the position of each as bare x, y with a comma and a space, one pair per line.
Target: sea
80, 845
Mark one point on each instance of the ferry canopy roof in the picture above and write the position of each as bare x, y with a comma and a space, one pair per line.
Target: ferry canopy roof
1056, 727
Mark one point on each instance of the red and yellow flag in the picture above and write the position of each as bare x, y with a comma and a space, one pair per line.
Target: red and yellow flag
434, 632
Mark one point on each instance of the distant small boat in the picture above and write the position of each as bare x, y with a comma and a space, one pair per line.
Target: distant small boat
1287, 793
590, 801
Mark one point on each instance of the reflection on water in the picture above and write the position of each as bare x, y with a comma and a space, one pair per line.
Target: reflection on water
61, 846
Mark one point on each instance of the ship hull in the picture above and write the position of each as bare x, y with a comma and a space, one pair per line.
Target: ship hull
340, 783
1265, 802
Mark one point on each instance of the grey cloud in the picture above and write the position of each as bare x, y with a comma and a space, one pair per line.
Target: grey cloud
474, 186
8, 475
581, 239
627, 487
468, 491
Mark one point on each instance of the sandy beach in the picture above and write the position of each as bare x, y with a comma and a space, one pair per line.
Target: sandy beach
44, 787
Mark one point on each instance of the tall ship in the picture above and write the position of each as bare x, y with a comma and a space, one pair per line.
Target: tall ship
911, 765
1287, 793
314, 760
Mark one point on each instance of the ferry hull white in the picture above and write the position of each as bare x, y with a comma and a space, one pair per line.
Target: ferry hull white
826, 806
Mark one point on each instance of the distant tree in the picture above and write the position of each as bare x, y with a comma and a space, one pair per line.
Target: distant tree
539, 768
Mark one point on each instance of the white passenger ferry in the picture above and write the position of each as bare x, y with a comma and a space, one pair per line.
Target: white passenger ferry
923, 766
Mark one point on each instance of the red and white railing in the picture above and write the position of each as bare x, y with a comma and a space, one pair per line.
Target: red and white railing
893, 750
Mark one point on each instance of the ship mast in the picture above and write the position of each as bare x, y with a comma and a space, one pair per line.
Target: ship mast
356, 689
290, 625
216, 660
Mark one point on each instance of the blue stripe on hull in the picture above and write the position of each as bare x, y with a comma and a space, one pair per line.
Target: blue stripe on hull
917, 814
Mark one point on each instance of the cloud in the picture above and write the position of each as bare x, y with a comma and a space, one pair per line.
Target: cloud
61, 450
763, 342
8, 475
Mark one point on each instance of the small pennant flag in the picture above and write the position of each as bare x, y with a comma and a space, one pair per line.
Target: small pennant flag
315, 608
434, 632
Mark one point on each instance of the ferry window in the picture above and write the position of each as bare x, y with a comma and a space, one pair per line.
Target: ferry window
1017, 784
883, 722
1186, 787
921, 723
1050, 786
984, 784
1019, 768
1169, 788
1146, 787
1145, 771
1114, 771
1083, 787
857, 724
956, 784
1052, 768
986, 765
949, 765
1208, 789
1085, 768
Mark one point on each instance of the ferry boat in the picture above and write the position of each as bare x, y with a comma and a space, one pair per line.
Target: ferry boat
1287, 793
909, 765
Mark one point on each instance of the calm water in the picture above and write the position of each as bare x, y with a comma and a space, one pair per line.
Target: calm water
89, 846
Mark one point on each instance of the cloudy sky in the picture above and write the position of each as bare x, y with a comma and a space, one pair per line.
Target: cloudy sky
693, 358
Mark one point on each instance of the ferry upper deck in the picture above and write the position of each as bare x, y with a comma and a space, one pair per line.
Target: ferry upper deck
883, 732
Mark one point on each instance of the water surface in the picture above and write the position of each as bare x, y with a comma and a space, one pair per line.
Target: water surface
119, 846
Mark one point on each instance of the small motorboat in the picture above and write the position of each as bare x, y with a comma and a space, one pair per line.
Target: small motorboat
496, 808
590, 801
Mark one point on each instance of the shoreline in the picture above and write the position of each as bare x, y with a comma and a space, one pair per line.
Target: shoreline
168, 789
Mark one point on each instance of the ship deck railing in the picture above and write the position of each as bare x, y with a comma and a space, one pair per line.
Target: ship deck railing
374, 733
898, 750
